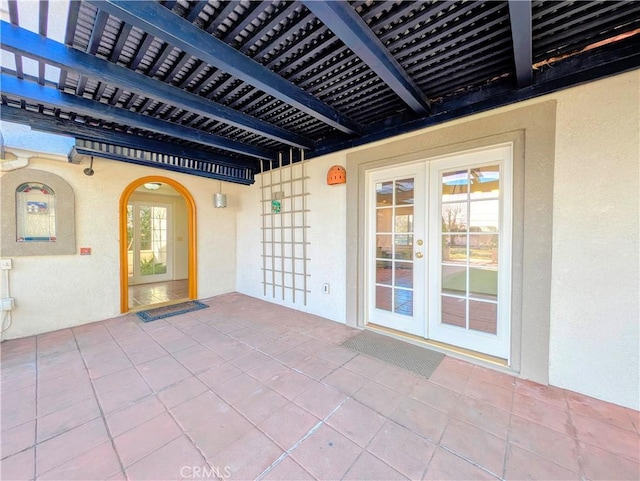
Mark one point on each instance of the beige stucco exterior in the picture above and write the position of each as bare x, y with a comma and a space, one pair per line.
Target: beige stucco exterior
578, 251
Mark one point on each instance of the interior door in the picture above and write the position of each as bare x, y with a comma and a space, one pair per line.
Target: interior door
396, 248
150, 245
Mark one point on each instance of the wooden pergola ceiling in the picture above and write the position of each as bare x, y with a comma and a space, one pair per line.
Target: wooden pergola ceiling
218, 88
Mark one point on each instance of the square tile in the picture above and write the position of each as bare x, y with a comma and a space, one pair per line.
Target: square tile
291, 384
543, 413
182, 391
608, 437
178, 459
368, 467
19, 466
421, 419
219, 375
287, 470
97, 463
326, 454
67, 418
129, 417
18, 438
446, 466
475, 445
482, 415
598, 464
521, 464
145, 438
320, 399
163, 372
218, 432
288, 425
402, 449
238, 388
195, 411
260, 404
69, 445
346, 381
248, 457
434, 395
546, 443
356, 421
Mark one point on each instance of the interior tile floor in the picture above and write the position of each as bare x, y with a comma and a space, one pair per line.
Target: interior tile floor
157, 292
246, 390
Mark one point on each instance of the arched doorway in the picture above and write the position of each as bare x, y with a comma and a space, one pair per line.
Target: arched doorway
125, 198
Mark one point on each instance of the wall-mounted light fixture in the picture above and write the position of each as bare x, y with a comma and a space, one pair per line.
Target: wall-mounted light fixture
219, 199
152, 185
89, 170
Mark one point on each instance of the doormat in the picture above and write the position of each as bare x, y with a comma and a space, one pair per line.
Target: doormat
408, 356
168, 311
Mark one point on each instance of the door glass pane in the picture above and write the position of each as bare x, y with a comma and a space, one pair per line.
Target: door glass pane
483, 283
455, 185
454, 280
384, 272
403, 302
404, 246
404, 192
383, 220
483, 316
481, 248
383, 298
153, 240
384, 193
454, 217
484, 216
384, 249
404, 274
485, 182
454, 248
469, 275
404, 219
454, 311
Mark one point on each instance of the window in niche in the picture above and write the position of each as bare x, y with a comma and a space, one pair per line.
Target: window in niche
35, 213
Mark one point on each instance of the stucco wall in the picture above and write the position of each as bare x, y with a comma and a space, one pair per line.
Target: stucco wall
595, 314
594, 339
54, 292
326, 251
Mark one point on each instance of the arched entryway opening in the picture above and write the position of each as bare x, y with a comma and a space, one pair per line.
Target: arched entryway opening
125, 234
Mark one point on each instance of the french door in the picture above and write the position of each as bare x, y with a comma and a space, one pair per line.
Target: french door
439, 249
149, 242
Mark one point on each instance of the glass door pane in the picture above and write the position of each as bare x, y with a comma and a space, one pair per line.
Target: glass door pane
394, 235
470, 209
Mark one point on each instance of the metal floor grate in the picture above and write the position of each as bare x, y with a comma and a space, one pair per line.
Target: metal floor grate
408, 356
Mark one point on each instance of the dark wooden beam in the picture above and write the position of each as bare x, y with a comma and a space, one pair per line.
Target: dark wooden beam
347, 25
521, 35
69, 128
24, 42
153, 18
32, 92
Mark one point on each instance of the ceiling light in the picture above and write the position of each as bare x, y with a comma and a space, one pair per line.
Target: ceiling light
152, 185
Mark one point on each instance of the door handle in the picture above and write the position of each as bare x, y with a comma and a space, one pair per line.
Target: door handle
419, 255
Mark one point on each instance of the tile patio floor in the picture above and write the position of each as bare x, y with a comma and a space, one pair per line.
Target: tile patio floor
248, 390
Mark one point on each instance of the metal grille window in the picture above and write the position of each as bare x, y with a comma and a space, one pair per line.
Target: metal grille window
35, 213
